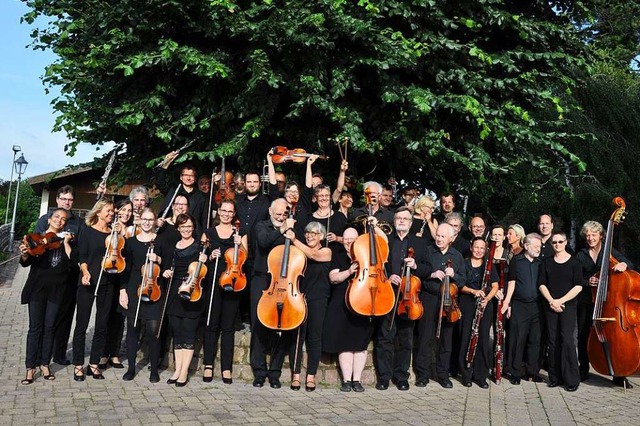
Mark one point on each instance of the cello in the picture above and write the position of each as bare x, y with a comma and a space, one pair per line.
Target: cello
282, 306
370, 292
614, 340
410, 306
233, 279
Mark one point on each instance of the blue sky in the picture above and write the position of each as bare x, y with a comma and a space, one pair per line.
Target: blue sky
26, 116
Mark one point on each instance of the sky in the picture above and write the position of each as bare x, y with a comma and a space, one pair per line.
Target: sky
26, 116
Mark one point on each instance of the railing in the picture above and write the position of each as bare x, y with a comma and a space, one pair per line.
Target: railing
5, 230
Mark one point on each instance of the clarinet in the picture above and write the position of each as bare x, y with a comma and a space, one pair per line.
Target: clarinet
499, 330
475, 327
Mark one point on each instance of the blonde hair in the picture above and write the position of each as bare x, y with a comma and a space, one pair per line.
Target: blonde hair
424, 201
92, 217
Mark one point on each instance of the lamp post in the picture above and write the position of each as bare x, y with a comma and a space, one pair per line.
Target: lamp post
21, 166
16, 149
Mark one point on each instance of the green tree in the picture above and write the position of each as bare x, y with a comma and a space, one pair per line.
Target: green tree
465, 92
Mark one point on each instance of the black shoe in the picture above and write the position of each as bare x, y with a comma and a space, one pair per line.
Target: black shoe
27, 380
466, 383
422, 383
295, 384
227, 380
182, 384
78, 377
402, 385
128, 376
154, 377
584, 376
205, 378
553, 384
482, 384
94, 372
62, 361
346, 386
357, 386
171, 381
310, 385
49, 376
536, 378
115, 364
102, 366
571, 388
445, 383
258, 382
382, 385
622, 382
514, 380
275, 383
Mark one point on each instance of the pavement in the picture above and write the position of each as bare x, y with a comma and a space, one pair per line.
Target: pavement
113, 401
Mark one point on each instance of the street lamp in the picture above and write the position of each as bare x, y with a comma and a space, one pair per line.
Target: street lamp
21, 166
16, 149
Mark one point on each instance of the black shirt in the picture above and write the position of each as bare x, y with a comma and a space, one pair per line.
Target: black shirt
398, 251
560, 278
438, 261
591, 268
267, 237
525, 273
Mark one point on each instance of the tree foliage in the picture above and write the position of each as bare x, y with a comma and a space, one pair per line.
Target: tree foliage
464, 92
27, 210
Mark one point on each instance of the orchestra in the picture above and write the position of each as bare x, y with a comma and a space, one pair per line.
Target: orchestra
313, 270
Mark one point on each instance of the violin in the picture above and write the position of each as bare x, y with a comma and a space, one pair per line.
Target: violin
282, 154
410, 306
114, 262
233, 279
225, 192
39, 244
370, 292
282, 306
449, 308
614, 340
134, 229
149, 290
191, 288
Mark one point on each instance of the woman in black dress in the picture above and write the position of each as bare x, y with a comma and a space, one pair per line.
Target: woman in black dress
140, 250
91, 250
183, 315
43, 293
333, 222
560, 281
345, 333
226, 302
315, 287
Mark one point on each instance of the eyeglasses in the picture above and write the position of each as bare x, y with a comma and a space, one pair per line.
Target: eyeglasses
311, 233
226, 211
291, 191
66, 200
185, 227
180, 204
144, 219
405, 219
558, 242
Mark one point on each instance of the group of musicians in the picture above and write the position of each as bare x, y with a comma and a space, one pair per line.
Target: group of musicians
468, 274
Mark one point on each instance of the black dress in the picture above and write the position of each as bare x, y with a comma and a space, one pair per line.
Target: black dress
177, 306
344, 331
136, 254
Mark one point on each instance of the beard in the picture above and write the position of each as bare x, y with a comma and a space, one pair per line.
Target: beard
251, 192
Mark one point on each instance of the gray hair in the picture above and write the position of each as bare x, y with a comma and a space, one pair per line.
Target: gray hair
591, 226
451, 228
316, 227
532, 236
139, 190
453, 216
373, 183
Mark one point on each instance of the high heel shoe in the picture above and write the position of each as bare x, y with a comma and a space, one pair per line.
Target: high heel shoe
78, 377
49, 376
171, 381
227, 380
207, 379
182, 384
91, 371
115, 364
27, 380
310, 385
295, 384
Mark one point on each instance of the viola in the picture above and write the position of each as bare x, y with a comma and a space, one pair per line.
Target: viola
370, 292
225, 192
449, 308
614, 340
191, 288
410, 306
149, 290
39, 244
233, 279
114, 262
282, 154
282, 306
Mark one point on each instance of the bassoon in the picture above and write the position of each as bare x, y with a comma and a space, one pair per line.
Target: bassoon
499, 330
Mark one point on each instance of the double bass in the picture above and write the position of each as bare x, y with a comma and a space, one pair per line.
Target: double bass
370, 292
282, 306
233, 279
614, 340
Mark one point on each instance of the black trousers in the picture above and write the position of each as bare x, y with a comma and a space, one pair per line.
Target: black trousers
563, 360
42, 317
64, 319
265, 340
222, 323
133, 341
479, 369
393, 345
427, 326
524, 337
115, 329
585, 321
85, 300
311, 336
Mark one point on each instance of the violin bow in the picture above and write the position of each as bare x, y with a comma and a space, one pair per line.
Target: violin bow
213, 176
213, 289
166, 299
107, 171
166, 211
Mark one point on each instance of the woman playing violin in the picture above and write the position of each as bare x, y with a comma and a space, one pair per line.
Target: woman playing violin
315, 287
183, 315
91, 249
111, 354
43, 293
222, 237
137, 255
